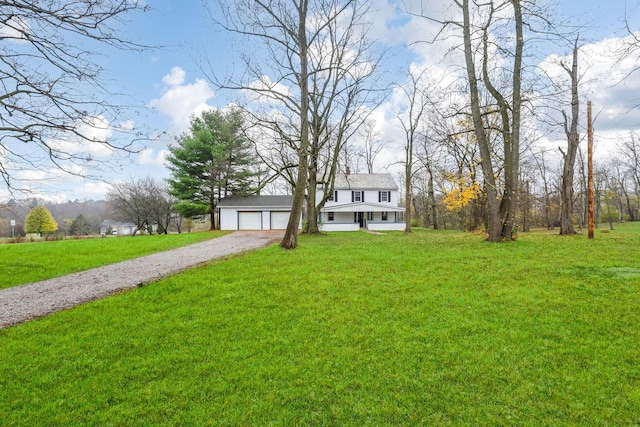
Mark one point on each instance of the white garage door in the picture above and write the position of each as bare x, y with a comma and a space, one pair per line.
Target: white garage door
249, 220
279, 220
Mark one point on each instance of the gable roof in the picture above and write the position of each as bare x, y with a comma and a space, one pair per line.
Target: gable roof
365, 181
256, 202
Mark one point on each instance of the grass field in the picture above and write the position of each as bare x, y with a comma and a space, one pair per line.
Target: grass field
30, 262
433, 328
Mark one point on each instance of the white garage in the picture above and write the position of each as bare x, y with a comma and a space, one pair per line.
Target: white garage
255, 212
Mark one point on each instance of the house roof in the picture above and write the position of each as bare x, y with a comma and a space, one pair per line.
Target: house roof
365, 181
256, 202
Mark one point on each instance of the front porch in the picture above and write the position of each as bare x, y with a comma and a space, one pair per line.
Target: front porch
370, 216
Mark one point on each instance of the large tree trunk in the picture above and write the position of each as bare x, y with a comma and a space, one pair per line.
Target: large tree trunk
407, 196
290, 239
501, 211
510, 128
311, 226
573, 139
212, 220
494, 226
432, 198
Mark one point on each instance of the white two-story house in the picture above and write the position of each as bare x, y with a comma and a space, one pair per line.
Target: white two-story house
362, 201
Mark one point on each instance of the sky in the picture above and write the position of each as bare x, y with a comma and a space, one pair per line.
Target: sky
166, 85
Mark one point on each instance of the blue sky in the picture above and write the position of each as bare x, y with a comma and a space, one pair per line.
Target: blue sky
167, 84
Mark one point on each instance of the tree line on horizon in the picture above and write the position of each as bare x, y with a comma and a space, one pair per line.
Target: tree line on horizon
315, 78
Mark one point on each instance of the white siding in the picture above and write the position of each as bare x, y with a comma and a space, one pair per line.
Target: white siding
386, 226
338, 218
370, 196
331, 226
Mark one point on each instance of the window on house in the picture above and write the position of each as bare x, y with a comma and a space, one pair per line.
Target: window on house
384, 216
331, 198
384, 196
356, 196
369, 216
330, 216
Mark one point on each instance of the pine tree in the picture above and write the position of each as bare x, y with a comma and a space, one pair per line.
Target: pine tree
212, 161
80, 227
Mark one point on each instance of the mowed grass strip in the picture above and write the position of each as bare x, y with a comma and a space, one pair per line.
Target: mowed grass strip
433, 328
30, 262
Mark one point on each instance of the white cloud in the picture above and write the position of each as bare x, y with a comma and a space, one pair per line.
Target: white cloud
611, 84
180, 101
149, 158
127, 125
266, 91
15, 29
92, 191
95, 132
175, 77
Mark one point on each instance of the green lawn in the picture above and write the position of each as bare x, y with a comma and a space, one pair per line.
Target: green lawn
30, 262
434, 328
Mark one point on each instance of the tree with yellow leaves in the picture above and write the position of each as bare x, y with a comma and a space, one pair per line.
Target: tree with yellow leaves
40, 221
464, 191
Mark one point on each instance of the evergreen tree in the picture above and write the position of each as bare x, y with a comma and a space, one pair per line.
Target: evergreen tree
40, 221
212, 161
80, 227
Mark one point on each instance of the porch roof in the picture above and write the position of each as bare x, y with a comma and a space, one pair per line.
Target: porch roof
362, 207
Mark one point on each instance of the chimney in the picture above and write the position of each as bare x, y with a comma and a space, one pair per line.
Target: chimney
347, 171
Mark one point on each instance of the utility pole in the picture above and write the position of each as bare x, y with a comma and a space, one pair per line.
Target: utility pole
590, 171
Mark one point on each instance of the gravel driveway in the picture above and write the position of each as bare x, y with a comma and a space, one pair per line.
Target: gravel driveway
22, 303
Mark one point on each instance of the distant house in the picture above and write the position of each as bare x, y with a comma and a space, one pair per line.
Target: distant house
368, 201
255, 212
111, 227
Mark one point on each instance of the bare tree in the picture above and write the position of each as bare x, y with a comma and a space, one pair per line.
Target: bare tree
630, 152
161, 205
411, 118
573, 139
501, 217
546, 196
310, 75
481, 46
619, 179
372, 145
51, 87
341, 63
428, 156
145, 202
281, 27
